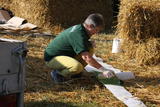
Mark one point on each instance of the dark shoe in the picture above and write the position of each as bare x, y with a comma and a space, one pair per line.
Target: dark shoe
77, 75
57, 78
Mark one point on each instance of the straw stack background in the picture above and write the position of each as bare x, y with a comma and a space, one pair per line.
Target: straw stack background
139, 26
58, 14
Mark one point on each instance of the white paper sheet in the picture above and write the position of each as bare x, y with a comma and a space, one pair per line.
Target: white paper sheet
123, 95
118, 91
120, 75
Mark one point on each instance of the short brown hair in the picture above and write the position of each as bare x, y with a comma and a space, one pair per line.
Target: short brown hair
95, 19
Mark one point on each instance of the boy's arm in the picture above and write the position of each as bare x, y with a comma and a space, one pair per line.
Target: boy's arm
87, 57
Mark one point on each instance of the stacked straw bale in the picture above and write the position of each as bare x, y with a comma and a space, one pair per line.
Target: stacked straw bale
139, 26
59, 14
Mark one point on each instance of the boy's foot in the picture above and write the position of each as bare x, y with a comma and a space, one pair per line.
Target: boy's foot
76, 76
57, 78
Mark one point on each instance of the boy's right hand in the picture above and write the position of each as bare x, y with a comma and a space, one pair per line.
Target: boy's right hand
105, 73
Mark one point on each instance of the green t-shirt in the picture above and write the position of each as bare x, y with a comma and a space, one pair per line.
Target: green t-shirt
70, 42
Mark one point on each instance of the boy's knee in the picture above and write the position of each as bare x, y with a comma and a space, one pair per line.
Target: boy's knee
74, 69
77, 68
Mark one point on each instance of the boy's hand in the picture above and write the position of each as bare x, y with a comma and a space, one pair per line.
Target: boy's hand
105, 73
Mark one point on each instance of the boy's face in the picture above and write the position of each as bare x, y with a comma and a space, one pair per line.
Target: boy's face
94, 30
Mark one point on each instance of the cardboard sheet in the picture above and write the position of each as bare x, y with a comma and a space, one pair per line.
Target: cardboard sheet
4, 16
17, 23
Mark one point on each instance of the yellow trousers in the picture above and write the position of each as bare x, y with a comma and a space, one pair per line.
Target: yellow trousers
68, 66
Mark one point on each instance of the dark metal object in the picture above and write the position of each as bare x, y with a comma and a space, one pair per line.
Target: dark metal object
12, 68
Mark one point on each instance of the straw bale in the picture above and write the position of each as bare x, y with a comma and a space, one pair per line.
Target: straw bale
145, 53
149, 53
139, 20
59, 14
5, 3
138, 25
35, 11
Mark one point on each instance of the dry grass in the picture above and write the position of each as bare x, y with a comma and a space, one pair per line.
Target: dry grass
86, 91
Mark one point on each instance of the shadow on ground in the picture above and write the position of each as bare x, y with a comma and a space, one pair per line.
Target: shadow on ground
48, 104
139, 82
